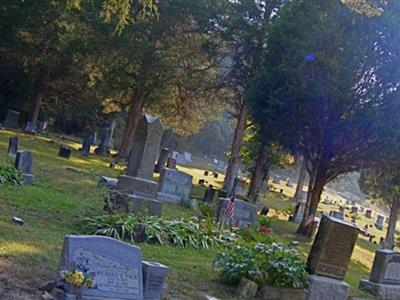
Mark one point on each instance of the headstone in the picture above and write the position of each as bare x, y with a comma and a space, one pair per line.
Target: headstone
17, 221
324, 288
105, 144
24, 161
276, 180
299, 211
94, 138
289, 183
65, 151
240, 187
154, 275
386, 267
42, 126
87, 141
181, 159
140, 233
202, 181
264, 211
332, 248
384, 280
11, 120
138, 183
354, 209
145, 147
215, 175
162, 159
171, 163
174, 186
379, 222
108, 182
341, 209
222, 194
116, 267
244, 212
368, 213
188, 156
338, 215
205, 173
30, 127
13, 146
209, 194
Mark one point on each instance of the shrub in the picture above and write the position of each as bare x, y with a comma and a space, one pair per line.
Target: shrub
181, 233
264, 221
271, 264
10, 174
206, 210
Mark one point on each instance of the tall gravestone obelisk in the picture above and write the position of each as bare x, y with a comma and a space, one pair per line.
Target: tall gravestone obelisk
138, 182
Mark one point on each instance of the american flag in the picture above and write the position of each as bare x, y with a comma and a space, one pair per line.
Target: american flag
230, 207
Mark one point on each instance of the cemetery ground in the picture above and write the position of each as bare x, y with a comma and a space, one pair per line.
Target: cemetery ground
65, 191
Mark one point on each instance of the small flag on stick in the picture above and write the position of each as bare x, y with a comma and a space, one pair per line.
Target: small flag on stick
230, 207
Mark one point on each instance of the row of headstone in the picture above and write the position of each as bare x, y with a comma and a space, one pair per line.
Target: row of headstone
11, 121
117, 269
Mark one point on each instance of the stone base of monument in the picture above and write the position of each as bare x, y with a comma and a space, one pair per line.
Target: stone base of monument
139, 203
164, 197
267, 292
137, 186
27, 178
381, 291
327, 288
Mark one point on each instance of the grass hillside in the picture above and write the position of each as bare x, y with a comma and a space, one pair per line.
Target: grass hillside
65, 191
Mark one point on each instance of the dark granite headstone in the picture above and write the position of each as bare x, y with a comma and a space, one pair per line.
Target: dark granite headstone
65, 151
368, 213
222, 194
87, 141
116, 267
379, 222
209, 194
171, 163
13, 146
332, 248
162, 159
215, 175
11, 120
354, 209
24, 161
202, 181
244, 212
154, 275
205, 173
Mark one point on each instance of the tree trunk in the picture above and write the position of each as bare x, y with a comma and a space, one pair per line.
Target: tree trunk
37, 103
134, 113
233, 163
300, 182
389, 242
315, 188
258, 175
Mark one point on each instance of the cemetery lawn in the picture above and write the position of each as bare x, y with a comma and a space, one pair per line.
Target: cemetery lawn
65, 191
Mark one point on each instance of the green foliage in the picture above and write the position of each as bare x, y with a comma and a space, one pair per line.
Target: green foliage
190, 203
10, 174
182, 233
272, 264
206, 210
264, 221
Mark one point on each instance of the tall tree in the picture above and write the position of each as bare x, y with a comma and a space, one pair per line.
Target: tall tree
331, 95
242, 26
